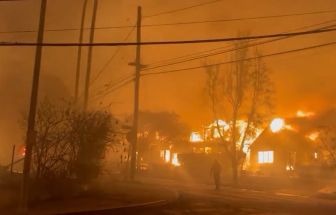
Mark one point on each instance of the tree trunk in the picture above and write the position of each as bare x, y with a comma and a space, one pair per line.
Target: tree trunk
234, 149
234, 171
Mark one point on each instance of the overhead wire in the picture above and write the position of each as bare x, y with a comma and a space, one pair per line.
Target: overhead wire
165, 24
189, 56
104, 67
240, 19
128, 81
182, 9
226, 50
171, 42
245, 59
176, 23
114, 87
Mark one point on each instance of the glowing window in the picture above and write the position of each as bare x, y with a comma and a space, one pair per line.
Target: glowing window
162, 154
195, 137
167, 155
265, 157
175, 160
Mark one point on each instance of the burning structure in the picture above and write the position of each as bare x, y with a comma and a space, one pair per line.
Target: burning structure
282, 147
280, 150
216, 135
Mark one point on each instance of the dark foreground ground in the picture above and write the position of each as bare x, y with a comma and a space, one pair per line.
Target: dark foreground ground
194, 198
201, 199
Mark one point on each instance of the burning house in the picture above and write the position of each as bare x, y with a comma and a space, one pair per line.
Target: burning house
280, 149
212, 143
215, 135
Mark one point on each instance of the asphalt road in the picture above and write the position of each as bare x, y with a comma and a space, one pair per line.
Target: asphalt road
204, 200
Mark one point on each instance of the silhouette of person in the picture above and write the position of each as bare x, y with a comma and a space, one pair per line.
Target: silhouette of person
215, 171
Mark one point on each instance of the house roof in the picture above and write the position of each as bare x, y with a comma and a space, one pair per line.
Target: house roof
285, 138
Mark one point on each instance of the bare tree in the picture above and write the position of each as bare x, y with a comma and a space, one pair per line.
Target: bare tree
244, 91
51, 149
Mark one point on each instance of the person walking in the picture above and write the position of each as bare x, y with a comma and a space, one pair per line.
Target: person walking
215, 171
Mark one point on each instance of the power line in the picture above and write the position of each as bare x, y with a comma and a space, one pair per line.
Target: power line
115, 87
182, 9
67, 29
176, 42
131, 79
176, 23
112, 84
111, 58
239, 19
224, 51
246, 59
188, 56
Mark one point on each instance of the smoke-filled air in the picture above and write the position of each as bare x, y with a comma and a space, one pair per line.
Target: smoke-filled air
167, 107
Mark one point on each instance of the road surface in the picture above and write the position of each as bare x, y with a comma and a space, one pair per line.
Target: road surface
202, 199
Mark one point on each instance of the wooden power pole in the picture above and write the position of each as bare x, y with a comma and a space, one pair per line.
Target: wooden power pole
31, 137
136, 98
89, 63
12, 160
79, 52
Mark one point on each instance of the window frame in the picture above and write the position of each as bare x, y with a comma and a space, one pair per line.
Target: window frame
265, 157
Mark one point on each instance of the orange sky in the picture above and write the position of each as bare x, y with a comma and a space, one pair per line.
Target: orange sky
302, 80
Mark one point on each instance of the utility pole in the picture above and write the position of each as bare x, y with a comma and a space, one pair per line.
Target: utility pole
89, 62
136, 98
79, 53
30, 138
12, 161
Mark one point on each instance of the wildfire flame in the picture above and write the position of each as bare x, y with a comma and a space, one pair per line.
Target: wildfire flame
313, 136
220, 127
289, 127
277, 125
304, 114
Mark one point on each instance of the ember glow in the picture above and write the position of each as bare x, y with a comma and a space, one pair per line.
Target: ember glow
289, 127
289, 167
304, 114
313, 136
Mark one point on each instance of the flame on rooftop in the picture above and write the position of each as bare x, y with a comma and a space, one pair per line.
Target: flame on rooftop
304, 114
277, 125
313, 136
